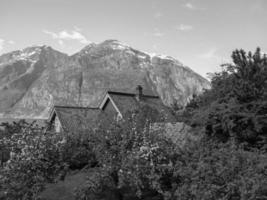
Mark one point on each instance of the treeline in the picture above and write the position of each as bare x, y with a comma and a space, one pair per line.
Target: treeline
129, 161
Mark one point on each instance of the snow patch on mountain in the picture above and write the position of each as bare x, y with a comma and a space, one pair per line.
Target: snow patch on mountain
117, 45
29, 54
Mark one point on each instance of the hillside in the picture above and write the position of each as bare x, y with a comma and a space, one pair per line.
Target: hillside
34, 79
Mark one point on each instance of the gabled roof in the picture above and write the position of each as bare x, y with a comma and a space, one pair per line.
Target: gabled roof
125, 102
75, 119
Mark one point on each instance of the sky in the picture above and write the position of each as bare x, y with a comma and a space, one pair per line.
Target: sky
200, 33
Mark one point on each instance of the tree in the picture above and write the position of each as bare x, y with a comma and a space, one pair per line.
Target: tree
133, 161
35, 160
236, 106
137, 163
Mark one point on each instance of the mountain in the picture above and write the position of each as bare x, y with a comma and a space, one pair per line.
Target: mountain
34, 79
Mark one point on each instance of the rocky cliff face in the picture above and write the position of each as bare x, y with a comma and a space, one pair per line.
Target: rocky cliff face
34, 79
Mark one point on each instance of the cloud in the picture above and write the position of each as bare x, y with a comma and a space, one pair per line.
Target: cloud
210, 54
11, 42
60, 42
257, 7
155, 47
158, 15
158, 33
184, 27
2, 41
77, 28
68, 35
190, 6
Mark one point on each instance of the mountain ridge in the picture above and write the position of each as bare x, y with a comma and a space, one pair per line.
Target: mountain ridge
32, 80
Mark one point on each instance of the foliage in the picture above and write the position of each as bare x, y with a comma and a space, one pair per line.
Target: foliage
129, 160
209, 170
235, 108
133, 162
77, 151
140, 164
38, 157
129, 156
6, 132
34, 160
9, 128
143, 164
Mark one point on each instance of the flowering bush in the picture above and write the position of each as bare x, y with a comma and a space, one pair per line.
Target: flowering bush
38, 157
34, 161
137, 163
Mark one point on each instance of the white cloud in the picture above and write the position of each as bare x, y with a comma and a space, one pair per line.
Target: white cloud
210, 61
190, 6
155, 47
158, 33
210, 54
60, 42
158, 15
2, 41
11, 42
184, 27
77, 28
65, 35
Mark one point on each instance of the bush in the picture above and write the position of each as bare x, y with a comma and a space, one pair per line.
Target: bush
129, 155
6, 132
38, 157
77, 152
220, 171
141, 164
34, 160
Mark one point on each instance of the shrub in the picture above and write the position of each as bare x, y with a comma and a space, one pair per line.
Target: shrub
77, 151
220, 171
34, 161
131, 157
141, 164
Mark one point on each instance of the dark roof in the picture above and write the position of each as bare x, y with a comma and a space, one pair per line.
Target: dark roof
128, 101
75, 119
131, 94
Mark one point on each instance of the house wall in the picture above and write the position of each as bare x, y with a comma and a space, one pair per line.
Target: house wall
110, 110
58, 127
55, 124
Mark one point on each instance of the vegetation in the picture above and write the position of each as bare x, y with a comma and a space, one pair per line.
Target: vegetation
147, 165
38, 157
128, 160
235, 108
33, 162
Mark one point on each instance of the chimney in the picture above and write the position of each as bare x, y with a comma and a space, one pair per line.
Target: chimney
139, 92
